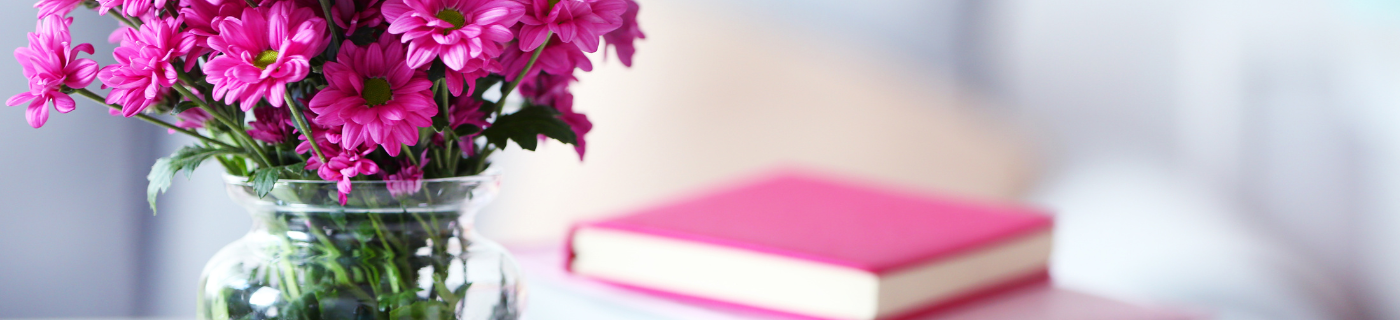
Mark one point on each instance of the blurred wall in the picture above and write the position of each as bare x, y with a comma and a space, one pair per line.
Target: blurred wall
705, 105
1231, 155
70, 240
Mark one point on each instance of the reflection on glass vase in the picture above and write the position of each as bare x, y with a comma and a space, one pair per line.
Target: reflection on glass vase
395, 250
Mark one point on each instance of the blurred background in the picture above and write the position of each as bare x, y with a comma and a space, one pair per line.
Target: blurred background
1239, 157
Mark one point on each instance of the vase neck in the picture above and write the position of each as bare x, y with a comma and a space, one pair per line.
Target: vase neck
348, 229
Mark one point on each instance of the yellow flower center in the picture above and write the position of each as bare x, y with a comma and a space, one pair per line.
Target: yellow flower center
265, 58
454, 17
377, 91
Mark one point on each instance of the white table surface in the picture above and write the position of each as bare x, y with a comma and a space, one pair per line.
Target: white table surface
555, 295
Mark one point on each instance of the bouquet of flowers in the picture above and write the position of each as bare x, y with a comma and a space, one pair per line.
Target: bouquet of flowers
340, 90
325, 95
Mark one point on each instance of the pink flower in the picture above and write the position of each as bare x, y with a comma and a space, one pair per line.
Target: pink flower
466, 34
350, 15
378, 99
272, 125
143, 71
577, 121
56, 7
344, 166
548, 89
202, 15
553, 90
118, 33
579, 22
341, 164
467, 111
557, 58
262, 51
455, 79
130, 8
190, 119
326, 139
408, 180
50, 66
622, 38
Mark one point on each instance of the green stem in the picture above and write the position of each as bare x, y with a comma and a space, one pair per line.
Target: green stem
289, 277
302, 126
95, 97
335, 29
447, 159
481, 165
238, 132
411, 157
252, 3
505, 92
124, 19
330, 262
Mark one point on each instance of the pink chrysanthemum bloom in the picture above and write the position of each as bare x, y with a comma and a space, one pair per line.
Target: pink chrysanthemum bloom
345, 165
202, 15
273, 125
118, 34
553, 90
576, 121
467, 111
546, 89
557, 58
341, 164
579, 22
190, 119
456, 79
464, 33
50, 65
621, 39
326, 139
130, 8
56, 7
377, 98
143, 71
263, 50
408, 180
351, 15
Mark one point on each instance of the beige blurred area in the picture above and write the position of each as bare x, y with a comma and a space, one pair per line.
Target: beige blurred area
713, 97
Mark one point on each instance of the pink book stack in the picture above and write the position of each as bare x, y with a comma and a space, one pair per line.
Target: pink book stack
803, 245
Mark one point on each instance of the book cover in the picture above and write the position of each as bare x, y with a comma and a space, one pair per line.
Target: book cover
886, 253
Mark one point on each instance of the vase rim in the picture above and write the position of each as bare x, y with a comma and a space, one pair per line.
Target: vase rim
490, 175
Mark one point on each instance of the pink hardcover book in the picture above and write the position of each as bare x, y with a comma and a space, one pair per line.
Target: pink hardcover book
809, 246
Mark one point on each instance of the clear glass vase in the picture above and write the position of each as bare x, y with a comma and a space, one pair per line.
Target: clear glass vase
393, 251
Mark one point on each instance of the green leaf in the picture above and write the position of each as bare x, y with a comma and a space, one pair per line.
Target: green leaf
525, 126
186, 159
182, 106
160, 176
264, 179
189, 158
467, 130
423, 310
460, 293
338, 217
439, 124
444, 293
